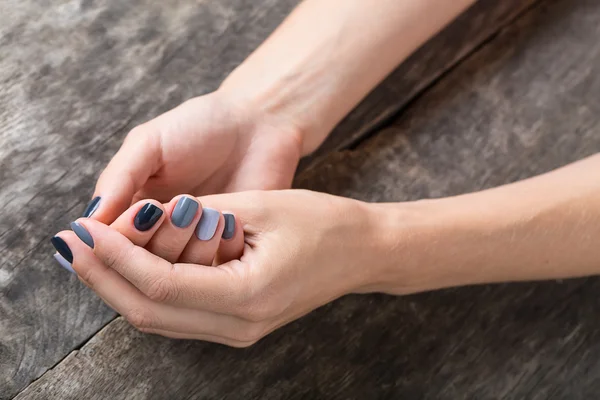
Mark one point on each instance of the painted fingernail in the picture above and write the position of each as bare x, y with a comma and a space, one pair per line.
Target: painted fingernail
82, 234
91, 207
64, 263
229, 226
62, 248
147, 217
208, 224
184, 212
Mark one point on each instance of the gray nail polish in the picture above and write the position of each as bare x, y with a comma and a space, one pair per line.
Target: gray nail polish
184, 212
82, 234
208, 224
229, 230
64, 263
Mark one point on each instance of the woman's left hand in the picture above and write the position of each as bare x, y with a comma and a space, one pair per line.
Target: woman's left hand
301, 250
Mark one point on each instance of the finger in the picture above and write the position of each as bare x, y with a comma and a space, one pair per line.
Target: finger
206, 338
140, 222
137, 159
150, 316
251, 208
231, 246
220, 290
174, 234
202, 247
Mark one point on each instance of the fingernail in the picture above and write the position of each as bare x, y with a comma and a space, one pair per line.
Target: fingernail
91, 207
82, 234
147, 217
229, 226
208, 224
64, 263
184, 212
62, 248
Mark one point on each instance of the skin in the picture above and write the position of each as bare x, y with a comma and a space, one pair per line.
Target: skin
277, 106
302, 249
293, 250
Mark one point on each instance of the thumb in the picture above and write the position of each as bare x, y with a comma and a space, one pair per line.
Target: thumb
137, 159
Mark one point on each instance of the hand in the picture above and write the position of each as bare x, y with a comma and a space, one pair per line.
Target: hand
302, 250
210, 144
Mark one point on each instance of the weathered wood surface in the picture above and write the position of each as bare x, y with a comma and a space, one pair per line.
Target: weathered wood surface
75, 76
426, 65
524, 104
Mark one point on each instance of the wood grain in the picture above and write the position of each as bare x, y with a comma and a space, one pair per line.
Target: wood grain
423, 68
524, 104
75, 77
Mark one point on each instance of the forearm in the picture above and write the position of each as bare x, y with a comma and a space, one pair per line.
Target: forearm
546, 227
329, 54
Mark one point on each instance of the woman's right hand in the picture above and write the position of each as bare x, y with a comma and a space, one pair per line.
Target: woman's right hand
300, 250
209, 144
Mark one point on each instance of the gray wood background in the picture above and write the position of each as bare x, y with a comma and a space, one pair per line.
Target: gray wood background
508, 91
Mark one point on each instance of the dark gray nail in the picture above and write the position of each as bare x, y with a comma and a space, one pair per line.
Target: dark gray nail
184, 212
91, 207
64, 263
63, 248
147, 217
208, 224
229, 226
82, 234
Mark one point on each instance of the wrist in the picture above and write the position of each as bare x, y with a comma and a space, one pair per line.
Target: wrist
423, 245
280, 101
257, 127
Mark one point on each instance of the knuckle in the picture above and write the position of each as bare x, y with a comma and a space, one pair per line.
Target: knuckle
250, 333
256, 206
161, 290
256, 198
253, 303
88, 277
256, 311
164, 248
141, 318
115, 258
137, 132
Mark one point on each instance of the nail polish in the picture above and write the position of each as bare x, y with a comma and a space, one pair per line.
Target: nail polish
64, 263
62, 248
82, 234
147, 217
208, 224
184, 212
91, 207
229, 230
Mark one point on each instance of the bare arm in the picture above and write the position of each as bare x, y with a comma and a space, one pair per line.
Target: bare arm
328, 55
545, 227
306, 249
277, 106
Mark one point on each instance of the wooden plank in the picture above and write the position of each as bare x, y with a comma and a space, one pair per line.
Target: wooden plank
524, 104
426, 65
74, 78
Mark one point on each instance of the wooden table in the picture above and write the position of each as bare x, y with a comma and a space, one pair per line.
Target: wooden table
510, 90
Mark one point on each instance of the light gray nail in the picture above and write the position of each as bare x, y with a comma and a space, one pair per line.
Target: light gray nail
229, 229
82, 234
208, 224
184, 212
64, 263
